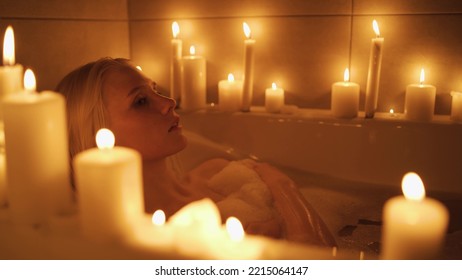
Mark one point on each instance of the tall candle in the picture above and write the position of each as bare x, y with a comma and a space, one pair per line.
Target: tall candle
456, 106
193, 94
230, 94
37, 154
110, 188
175, 64
414, 226
373, 74
249, 57
274, 99
10, 73
420, 100
345, 98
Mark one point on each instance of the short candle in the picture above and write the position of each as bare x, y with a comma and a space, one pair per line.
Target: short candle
345, 98
456, 106
274, 99
420, 100
229, 94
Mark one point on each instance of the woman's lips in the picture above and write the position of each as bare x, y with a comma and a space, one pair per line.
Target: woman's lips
175, 126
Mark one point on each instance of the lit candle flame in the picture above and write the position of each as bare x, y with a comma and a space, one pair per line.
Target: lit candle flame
247, 31
392, 111
192, 50
139, 68
8, 47
346, 75
29, 81
375, 26
235, 229
422, 76
413, 187
105, 139
175, 29
274, 86
230, 77
158, 218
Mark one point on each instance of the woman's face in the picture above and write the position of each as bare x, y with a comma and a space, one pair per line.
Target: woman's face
139, 117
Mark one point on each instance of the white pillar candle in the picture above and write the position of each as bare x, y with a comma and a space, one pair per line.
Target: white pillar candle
249, 57
37, 154
345, 98
10, 73
193, 93
420, 101
373, 74
229, 94
110, 188
274, 99
3, 191
175, 63
456, 106
414, 227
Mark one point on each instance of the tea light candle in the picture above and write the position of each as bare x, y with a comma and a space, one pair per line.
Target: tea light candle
37, 154
274, 99
110, 187
10, 73
193, 93
249, 57
175, 63
456, 106
345, 98
229, 94
373, 74
420, 100
414, 226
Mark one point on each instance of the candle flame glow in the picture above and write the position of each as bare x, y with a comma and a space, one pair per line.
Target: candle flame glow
139, 68
8, 47
192, 50
346, 75
230, 77
29, 81
158, 218
392, 111
175, 29
105, 139
235, 229
247, 30
413, 187
422, 76
274, 86
375, 26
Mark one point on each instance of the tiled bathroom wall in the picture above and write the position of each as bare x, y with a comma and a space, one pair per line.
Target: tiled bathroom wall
302, 45
53, 37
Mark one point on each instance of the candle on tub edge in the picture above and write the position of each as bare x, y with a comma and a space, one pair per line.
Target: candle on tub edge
110, 188
37, 154
193, 91
345, 98
456, 106
419, 102
175, 64
249, 57
229, 94
414, 226
10, 73
274, 99
373, 74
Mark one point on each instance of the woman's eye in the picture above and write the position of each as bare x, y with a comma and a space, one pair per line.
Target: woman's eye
140, 101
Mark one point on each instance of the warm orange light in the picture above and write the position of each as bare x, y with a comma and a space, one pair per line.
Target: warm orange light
247, 31
158, 218
346, 75
29, 81
413, 187
8, 47
192, 50
175, 29
230, 77
392, 111
139, 68
235, 229
422, 76
375, 26
105, 139
274, 86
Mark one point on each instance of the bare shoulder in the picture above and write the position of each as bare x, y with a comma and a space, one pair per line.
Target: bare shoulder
209, 168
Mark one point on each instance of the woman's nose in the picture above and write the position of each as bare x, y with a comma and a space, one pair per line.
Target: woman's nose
166, 104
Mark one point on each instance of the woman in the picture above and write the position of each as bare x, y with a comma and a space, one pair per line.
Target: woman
113, 93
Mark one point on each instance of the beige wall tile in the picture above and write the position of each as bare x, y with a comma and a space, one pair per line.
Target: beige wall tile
146, 9
304, 55
75, 9
53, 48
406, 6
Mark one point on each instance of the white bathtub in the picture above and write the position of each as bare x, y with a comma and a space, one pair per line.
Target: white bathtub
346, 168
